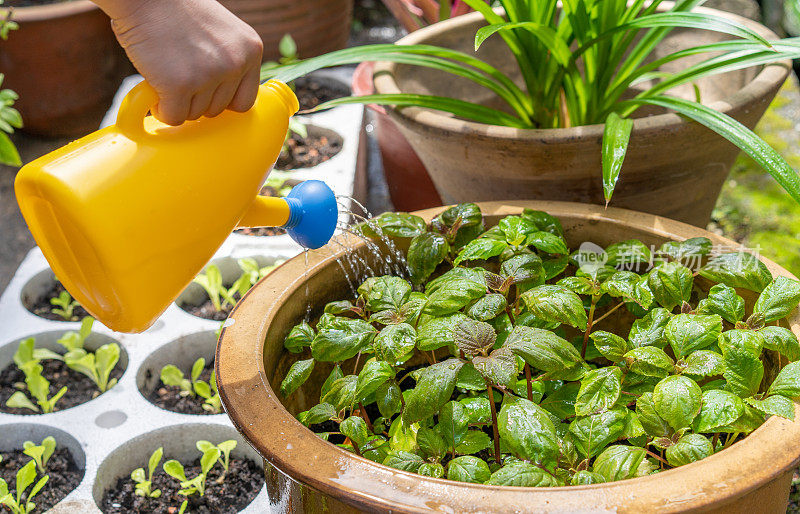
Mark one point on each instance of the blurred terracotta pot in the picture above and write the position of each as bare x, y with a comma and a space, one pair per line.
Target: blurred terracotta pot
674, 167
307, 474
410, 186
65, 64
317, 26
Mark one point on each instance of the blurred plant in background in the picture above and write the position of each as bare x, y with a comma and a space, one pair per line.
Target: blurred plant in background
10, 118
415, 14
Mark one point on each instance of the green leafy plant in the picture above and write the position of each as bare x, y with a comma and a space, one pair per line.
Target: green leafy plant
578, 62
508, 359
21, 502
172, 376
96, 365
223, 297
225, 448
196, 485
40, 453
10, 118
74, 340
64, 306
39, 389
144, 482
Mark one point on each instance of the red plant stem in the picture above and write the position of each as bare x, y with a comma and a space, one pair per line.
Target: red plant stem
433, 356
428, 358
608, 312
494, 422
528, 379
364, 415
400, 11
714, 441
588, 328
656, 456
355, 368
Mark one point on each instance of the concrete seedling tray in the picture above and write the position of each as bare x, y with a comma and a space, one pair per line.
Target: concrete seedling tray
115, 433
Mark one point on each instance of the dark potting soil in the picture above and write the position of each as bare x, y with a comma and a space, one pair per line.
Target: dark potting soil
169, 397
241, 485
794, 494
61, 468
263, 231
43, 308
307, 152
80, 388
311, 92
206, 309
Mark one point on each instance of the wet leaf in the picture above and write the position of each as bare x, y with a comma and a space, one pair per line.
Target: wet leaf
653, 424
627, 254
473, 337
342, 339
610, 346
426, 252
704, 363
527, 431
689, 448
388, 398
517, 230
355, 428
547, 243
781, 340
584, 477
299, 337
778, 299
692, 249
724, 301
621, 462
430, 443
468, 469
487, 307
522, 474
431, 469
395, 343
689, 332
381, 293
738, 270
787, 383
719, 408
649, 330
397, 224
774, 405
404, 460
671, 284
678, 400
500, 367
342, 393
526, 268
630, 286
480, 249
542, 349
600, 390
473, 442
743, 371
433, 390
557, 304
452, 295
453, 423
296, 376
649, 361
374, 374
434, 333
593, 433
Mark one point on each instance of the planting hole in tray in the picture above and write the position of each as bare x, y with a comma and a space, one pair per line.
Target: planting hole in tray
80, 388
320, 145
182, 353
316, 89
113, 490
65, 467
195, 300
38, 291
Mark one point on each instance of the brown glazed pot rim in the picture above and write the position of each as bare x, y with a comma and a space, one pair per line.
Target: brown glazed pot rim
36, 13
260, 417
766, 80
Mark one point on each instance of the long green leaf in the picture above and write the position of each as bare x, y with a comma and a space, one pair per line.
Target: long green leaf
543, 33
736, 133
616, 136
460, 108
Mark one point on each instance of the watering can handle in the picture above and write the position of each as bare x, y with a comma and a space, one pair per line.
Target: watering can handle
134, 108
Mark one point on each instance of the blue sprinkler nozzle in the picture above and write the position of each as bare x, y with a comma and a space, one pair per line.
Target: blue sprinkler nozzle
313, 214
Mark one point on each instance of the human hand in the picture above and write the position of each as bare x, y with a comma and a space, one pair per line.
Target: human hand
198, 56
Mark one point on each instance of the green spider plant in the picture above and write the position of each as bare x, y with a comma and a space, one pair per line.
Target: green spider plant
577, 60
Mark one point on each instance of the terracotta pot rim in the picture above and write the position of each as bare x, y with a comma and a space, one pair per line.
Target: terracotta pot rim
762, 83
263, 420
46, 12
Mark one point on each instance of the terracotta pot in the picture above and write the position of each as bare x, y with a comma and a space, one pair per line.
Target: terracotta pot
65, 64
410, 186
307, 474
317, 26
674, 167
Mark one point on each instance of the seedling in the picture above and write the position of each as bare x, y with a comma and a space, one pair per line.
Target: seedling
209, 392
40, 453
225, 448
211, 282
64, 306
295, 127
144, 483
520, 343
221, 297
197, 484
38, 387
251, 274
22, 503
74, 340
97, 366
10, 118
172, 376
27, 352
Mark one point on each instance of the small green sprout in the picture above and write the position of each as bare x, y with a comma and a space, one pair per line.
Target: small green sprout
65, 306
40, 453
211, 282
251, 274
27, 352
144, 484
197, 484
10, 118
209, 392
221, 296
225, 448
183, 506
295, 127
21, 503
172, 376
97, 366
74, 340
39, 388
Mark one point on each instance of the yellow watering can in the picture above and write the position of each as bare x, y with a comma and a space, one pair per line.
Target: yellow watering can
128, 215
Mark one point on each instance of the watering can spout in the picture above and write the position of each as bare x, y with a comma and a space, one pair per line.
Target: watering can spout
308, 213
124, 215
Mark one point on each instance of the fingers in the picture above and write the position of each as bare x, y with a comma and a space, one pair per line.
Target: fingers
222, 98
246, 93
172, 108
200, 103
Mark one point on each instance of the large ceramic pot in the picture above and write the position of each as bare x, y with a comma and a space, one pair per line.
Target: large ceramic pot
307, 474
410, 186
673, 168
65, 64
317, 26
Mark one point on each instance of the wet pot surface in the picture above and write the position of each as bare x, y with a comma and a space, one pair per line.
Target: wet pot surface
310, 474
